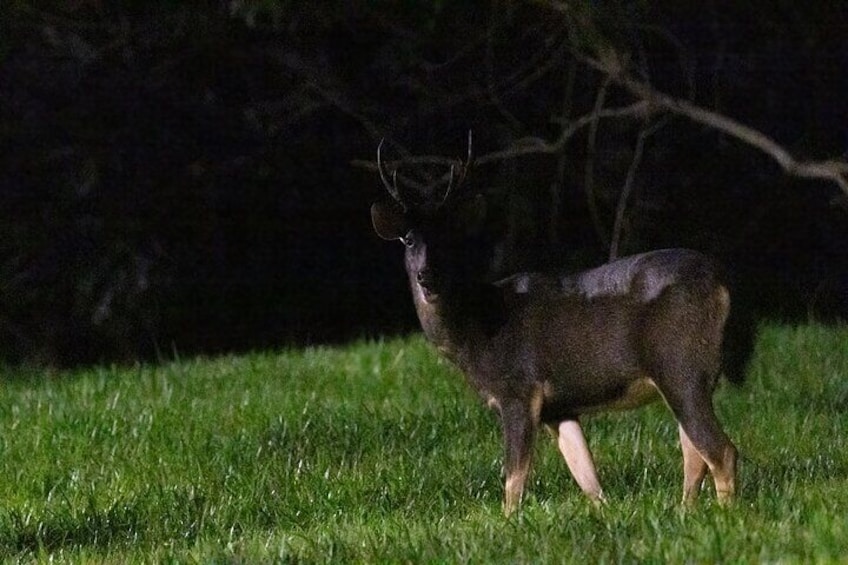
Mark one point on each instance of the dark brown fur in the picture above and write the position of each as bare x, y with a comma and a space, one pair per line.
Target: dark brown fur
546, 350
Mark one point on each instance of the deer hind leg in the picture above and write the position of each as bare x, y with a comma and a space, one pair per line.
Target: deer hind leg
519, 429
694, 469
701, 437
572, 444
720, 456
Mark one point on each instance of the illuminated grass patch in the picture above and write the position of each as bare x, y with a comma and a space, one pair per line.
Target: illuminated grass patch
378, 451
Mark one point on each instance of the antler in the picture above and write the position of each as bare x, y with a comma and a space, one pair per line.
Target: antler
393, 187
463, 170
455, 180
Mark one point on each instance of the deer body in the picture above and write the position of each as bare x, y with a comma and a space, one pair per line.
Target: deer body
545, 350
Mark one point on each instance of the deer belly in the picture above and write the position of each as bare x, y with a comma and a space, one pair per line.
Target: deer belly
638, 393
633, 394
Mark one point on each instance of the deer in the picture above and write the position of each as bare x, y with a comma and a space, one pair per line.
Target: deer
545, 350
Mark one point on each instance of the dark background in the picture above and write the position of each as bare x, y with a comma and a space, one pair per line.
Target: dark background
184, 177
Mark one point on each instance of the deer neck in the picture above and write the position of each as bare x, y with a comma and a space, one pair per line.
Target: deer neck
462, 320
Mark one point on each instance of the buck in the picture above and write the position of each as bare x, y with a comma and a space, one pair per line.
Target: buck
545, 350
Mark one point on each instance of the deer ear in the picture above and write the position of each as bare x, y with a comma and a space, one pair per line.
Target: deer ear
388, 221
474, 213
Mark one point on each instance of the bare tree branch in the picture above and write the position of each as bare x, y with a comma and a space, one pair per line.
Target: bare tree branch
627, 189
526, 145
835, 171
535, 145
556, 186
589, 172
491, 82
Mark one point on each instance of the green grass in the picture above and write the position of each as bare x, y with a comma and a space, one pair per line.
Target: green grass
378, 452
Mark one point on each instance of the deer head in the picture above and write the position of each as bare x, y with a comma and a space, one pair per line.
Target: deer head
437, 233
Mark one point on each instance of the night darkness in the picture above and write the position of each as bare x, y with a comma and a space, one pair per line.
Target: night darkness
190, 179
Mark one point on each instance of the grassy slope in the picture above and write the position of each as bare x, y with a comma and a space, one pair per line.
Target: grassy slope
378, 452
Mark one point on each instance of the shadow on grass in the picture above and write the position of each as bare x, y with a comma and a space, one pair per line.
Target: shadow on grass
121, 523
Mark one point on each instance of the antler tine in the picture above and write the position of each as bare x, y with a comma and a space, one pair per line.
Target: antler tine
392, 187
468, 160
463, 169
450, 186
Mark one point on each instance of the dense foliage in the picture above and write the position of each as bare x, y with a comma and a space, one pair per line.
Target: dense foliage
178, 177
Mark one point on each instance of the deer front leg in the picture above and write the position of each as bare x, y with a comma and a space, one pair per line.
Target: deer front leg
519, 429
572, 444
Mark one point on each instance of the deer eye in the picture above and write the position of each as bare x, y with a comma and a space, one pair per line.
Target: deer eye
408, 239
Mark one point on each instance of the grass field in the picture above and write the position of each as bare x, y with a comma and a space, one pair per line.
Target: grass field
378, 452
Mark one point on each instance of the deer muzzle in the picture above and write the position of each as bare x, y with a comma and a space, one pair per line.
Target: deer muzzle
427, 281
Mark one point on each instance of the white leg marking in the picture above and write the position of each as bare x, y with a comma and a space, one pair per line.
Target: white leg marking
572, 445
